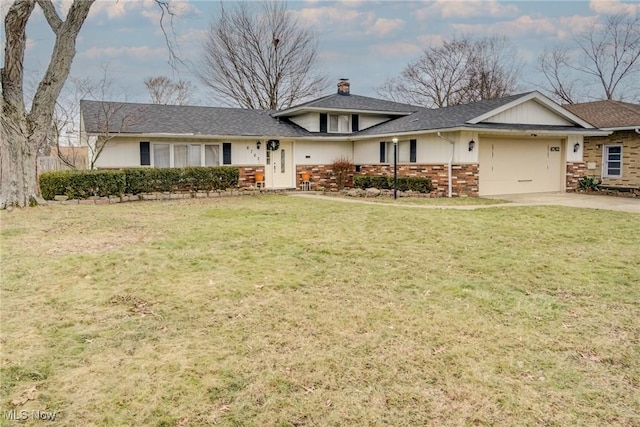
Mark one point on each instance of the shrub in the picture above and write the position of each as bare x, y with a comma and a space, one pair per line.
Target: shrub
405, 183
82, 184
342, 168
185, 179
152, 179
589, 183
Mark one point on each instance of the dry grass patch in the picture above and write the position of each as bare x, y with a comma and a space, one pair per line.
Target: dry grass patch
281, 310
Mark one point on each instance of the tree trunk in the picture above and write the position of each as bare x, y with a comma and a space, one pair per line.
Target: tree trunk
22, 131
18, 174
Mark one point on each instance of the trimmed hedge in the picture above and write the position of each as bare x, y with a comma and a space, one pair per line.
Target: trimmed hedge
81, 185
405, 183
183, 179
84, 184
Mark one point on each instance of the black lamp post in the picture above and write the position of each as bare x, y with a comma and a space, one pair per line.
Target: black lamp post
395, 168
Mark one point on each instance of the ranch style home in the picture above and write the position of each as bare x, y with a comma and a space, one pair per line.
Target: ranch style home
615, 158
523, 143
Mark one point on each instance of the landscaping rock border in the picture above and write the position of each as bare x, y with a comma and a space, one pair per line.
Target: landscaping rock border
63, 200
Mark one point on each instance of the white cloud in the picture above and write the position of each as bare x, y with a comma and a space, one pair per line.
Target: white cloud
466, 9
147, 8
526, 26
193, 36
384, 26
139, 52
431, 39
395, 49
326, 16
611, 7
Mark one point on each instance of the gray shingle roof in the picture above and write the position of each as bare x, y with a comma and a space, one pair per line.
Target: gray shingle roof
122, 117
215, 121
441, 118
353, 103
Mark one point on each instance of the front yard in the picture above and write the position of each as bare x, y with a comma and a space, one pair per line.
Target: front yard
289, 311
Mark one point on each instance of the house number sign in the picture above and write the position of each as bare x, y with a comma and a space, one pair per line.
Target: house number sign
554, 149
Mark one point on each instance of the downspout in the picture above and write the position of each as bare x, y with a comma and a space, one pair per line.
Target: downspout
638, 131
450, 171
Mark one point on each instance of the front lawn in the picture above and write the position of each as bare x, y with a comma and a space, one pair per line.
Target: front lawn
290, 311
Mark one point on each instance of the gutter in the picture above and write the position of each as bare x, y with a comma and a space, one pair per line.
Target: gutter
449, 169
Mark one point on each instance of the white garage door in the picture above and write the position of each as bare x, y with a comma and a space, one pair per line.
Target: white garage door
520, 166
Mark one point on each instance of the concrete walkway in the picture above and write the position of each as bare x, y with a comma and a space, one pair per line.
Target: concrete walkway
612, 203
539, 199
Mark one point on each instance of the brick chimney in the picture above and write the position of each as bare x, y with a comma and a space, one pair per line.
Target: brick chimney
343, 87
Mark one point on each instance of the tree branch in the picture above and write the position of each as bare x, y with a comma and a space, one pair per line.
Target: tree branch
50, 13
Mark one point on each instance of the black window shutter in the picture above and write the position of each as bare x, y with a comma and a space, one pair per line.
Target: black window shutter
226, 153
355, 123
323, 122
382, 153
145, 153
412, 150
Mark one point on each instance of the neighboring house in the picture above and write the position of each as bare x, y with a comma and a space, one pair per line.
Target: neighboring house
614, 158
518, 144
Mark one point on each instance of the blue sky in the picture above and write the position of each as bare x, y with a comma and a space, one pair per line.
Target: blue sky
365, 41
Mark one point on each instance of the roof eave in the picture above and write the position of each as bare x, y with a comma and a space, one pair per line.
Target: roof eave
193, 135
302, 110
616, 128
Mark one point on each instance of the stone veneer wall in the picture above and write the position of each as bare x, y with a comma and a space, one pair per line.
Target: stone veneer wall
247, 176
464, 177
630, 157
575, 171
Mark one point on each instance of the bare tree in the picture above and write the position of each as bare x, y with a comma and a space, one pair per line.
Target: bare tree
108, 119
163, 90
23, 131
494, 69
602, 63
460, 70
258, 56
64, 139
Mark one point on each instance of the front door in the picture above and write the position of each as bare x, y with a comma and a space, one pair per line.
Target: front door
279, 170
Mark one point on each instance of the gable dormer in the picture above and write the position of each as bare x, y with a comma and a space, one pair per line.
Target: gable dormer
343, 112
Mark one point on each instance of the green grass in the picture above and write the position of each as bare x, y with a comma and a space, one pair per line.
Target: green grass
435, 201
290, 311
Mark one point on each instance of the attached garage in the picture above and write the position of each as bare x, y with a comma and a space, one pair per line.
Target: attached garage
513, 166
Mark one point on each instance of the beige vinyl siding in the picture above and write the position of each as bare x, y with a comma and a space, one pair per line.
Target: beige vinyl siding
309, 121
322, 152
529, 112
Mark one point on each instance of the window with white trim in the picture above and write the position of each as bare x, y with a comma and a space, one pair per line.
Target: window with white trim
182, 155
612, 161
339, 123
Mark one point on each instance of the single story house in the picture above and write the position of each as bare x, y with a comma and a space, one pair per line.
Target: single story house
518, 144
614, 158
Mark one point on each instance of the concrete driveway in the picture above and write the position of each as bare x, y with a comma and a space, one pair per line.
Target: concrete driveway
611, 203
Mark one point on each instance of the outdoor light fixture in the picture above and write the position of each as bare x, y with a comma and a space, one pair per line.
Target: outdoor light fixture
576, 147
472, 144
258, 144
395, 168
